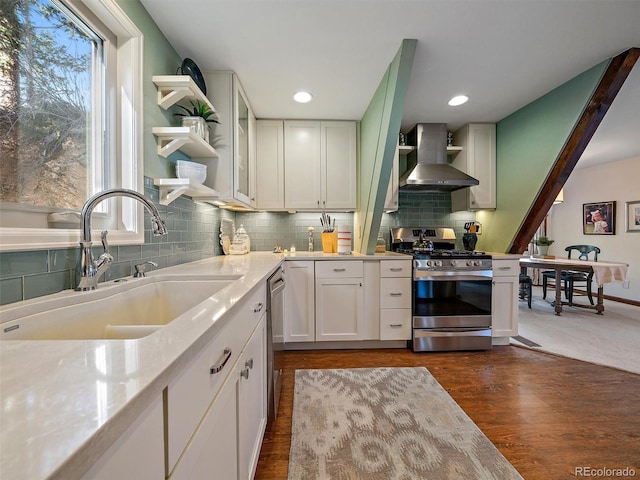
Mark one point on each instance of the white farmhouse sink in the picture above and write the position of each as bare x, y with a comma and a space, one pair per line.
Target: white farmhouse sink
131, 309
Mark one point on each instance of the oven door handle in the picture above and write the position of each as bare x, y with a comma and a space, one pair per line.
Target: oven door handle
457, 329
480, 275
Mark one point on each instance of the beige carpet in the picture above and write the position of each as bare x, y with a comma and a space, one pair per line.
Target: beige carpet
611, 339
385, 424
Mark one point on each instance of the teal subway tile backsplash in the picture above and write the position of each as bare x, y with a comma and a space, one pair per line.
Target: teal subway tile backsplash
193, 235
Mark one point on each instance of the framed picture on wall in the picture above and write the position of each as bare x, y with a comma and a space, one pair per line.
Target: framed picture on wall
599, 218
632, 218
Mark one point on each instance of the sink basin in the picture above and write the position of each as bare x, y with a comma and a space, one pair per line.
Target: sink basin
125, 310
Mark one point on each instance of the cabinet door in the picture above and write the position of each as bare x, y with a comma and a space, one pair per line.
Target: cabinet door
504, 306
478, 159
212, 453
138, 453
270, 165
338, 157
339, 309
252, 401
302, 170
242, 161
299, 312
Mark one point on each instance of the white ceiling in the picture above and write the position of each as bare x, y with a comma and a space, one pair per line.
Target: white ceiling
503, 54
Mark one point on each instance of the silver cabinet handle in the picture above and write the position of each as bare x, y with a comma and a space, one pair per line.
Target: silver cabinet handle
218, 368
396, 269
395, 325
249, 363
258, 308
339, 269
397, 294
245, 373
504, 268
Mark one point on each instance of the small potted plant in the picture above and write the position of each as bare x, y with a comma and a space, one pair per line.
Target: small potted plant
543, 243
196, 118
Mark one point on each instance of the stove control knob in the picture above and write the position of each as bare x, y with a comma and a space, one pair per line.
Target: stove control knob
470, 263
454, 263
438, 263
429, 263
477, 263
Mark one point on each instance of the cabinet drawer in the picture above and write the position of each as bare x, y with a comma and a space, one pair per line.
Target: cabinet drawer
395, 324
395, 268
395, 293
191, 393
506, 268
339, 269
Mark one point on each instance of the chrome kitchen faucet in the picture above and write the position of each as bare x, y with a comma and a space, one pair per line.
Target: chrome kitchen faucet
89, 270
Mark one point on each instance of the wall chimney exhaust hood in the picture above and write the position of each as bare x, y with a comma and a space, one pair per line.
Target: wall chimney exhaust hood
427, 166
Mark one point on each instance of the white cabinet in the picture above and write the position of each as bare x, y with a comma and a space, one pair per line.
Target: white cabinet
339, 300
252, 402
324, 155
478, 159
270, 165
395, 299
299, 314
138, 453
504, 301
391, 201
232, 175
205, 436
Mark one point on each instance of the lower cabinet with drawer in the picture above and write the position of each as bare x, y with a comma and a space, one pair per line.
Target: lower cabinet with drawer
395, 300
339, 300
504, 300
216, 409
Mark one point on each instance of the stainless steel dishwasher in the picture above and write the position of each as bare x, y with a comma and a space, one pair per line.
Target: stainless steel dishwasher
275, 340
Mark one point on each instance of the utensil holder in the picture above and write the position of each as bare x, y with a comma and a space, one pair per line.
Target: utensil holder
329, 242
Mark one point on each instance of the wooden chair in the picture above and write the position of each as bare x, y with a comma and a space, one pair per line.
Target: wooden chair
525, 286
570, 277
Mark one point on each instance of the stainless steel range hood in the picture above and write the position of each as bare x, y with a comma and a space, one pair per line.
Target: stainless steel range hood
427, 167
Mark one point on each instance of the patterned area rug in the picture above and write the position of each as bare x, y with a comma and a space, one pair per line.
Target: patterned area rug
387, 424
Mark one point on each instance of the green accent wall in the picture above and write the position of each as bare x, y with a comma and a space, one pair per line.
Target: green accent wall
159, 59
529, 142
379, 129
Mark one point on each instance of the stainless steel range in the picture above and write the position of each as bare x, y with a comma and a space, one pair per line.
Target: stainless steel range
451, 299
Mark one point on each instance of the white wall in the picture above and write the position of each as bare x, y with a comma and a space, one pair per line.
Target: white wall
616, 181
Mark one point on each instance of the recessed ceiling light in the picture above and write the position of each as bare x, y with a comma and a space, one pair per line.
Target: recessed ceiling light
302, 97
458, 100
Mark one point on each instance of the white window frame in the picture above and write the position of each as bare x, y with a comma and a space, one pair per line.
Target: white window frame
126, 151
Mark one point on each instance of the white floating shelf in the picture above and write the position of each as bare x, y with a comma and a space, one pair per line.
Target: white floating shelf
173, 89
453, 150
172, 188
404, 149
171, 139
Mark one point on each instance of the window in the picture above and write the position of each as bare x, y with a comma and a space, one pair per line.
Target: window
70, 117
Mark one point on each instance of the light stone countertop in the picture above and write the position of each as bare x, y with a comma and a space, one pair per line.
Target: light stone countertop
64, 402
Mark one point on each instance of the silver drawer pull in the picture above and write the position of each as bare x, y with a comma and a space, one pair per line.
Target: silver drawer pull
218, 368
258, 308
395, 325
245, 373
249, 363
397, 294
396, 269
339, 269
504, 268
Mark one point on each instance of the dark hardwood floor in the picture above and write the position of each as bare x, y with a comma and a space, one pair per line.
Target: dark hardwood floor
548, 415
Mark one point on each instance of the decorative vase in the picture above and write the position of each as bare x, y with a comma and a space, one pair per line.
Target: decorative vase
469, 241
197, 125
543, 249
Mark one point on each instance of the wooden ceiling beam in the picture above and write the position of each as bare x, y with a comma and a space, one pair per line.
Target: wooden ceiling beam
603, 96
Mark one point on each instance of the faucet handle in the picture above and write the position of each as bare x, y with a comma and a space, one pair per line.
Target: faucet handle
105, 244
141, 267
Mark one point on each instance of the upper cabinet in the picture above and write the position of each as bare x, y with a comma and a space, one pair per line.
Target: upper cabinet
320, 165
232, 175
270, 165
478, 159
391, 201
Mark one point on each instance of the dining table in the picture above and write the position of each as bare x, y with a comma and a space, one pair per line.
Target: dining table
603, 272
